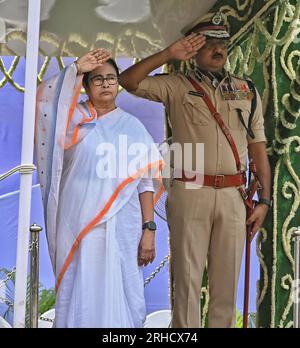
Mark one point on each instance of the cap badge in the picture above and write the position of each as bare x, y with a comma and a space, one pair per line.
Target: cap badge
217, 19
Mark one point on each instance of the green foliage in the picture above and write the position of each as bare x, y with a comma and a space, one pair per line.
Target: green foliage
47, 300
239, 320
46, 296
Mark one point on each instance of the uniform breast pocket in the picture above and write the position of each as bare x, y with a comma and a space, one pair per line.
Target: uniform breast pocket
238, 110
196, 110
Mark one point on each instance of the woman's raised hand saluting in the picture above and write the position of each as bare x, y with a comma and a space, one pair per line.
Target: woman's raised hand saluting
92, 60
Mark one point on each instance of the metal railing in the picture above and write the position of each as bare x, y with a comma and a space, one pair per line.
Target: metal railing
22, 169
34, 251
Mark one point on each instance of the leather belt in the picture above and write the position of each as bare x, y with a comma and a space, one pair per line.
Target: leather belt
218, 181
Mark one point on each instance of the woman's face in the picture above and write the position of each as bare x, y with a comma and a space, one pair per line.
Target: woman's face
103, 84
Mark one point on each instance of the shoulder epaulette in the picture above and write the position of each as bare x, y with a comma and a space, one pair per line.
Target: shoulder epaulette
240, 78
161, 74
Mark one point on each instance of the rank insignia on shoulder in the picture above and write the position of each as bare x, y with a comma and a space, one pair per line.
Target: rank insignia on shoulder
196, 94
161, 74
238, 77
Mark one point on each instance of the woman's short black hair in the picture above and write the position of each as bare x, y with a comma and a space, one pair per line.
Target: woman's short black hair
110, 61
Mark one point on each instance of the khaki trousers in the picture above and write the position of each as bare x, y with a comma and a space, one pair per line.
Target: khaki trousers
205, 224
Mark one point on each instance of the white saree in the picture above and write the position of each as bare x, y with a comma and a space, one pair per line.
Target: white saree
93, 222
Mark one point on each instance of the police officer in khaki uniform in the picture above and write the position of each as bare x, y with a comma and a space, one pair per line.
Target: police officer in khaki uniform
207, 223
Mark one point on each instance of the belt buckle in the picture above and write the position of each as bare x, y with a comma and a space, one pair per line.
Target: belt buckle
217, 184
244, 195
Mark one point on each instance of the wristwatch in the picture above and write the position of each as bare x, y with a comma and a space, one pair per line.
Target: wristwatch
149, 225
265, 201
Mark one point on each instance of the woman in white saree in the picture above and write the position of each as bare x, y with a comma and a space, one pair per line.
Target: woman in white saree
94, 161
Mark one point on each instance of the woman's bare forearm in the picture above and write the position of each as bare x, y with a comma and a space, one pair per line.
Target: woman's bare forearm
147, 206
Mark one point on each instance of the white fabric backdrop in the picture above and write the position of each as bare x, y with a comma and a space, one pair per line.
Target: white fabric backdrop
132, 28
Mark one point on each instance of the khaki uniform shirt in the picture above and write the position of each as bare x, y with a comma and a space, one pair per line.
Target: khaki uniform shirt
192, 122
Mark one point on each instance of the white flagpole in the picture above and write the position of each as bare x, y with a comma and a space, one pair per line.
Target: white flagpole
32, 51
